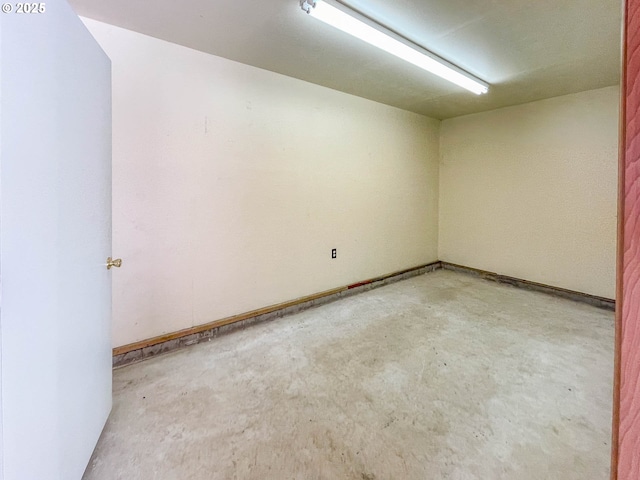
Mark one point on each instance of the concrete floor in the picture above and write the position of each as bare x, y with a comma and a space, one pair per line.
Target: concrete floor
443, 376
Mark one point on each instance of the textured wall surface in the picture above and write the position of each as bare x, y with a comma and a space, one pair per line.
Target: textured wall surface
530, 191
232, 185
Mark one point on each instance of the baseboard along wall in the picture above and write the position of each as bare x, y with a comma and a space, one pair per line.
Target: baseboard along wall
593, 300
138, 351
152, 347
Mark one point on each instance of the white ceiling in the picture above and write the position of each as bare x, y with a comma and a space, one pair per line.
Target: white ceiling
526, 49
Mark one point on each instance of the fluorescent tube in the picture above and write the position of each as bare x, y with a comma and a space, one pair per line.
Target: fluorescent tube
348, 23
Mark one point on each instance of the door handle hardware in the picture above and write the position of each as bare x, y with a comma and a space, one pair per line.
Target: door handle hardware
114, 263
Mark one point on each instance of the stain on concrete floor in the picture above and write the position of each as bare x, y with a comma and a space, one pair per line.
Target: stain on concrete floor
443, 376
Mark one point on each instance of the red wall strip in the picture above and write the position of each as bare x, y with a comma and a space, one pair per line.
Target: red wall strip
628, 461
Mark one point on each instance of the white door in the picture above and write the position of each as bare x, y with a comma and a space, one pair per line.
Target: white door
55, 236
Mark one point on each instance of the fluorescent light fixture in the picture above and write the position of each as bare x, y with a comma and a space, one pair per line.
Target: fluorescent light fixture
357, 25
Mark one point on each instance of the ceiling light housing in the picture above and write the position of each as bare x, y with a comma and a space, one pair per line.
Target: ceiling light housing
359, 26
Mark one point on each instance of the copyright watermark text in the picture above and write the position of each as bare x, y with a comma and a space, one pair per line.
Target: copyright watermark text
24, 8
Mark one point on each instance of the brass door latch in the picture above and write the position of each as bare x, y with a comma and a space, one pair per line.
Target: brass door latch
114, 263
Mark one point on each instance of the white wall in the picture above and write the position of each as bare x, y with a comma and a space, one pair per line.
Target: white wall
530, 191
232, 184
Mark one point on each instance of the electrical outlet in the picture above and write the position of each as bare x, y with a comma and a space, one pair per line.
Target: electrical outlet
334, 253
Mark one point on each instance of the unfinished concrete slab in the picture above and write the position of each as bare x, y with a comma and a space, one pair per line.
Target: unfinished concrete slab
443, 376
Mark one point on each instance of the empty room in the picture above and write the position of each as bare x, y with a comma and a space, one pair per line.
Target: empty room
299, 239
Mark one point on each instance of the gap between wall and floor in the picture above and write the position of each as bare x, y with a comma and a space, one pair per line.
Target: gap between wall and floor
138, 351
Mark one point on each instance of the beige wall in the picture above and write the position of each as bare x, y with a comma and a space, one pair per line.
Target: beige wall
232, 185
530, 191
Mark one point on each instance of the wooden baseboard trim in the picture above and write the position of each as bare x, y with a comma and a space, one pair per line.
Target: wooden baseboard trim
135, 352
593, 300
152, 347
